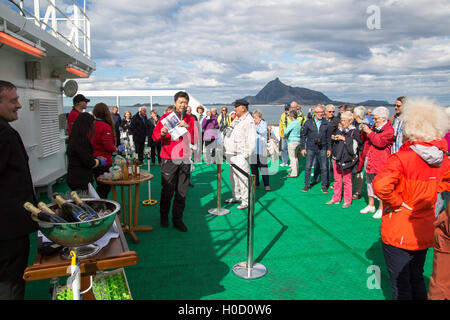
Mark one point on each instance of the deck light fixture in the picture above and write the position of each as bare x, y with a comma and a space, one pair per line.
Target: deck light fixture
19, 43
77, 71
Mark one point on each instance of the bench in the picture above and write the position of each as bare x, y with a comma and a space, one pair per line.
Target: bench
46, 183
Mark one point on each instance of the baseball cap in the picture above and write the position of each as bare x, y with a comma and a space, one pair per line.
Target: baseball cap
79, 98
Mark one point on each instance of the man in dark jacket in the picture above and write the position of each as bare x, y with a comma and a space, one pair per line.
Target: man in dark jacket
16, 188
117, 123
315, 141
139, 128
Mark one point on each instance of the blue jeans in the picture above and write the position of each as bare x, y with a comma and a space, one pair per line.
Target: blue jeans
284, 151
317, 171
321, 156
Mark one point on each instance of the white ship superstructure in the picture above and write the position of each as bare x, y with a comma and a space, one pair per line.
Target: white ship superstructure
43, 43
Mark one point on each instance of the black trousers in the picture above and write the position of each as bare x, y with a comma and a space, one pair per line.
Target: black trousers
175, 177
139, 145
406, 272
156, 152
13, 261
258, 161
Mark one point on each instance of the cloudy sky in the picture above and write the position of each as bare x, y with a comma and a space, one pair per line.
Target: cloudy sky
220, 50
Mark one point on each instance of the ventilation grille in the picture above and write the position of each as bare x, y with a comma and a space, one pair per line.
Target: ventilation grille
49, 142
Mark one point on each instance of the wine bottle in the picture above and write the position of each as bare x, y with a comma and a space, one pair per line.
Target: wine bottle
71, 210
136, 169
42, 215
130, 168
83, 205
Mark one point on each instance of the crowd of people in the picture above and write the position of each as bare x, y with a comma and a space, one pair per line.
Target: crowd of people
404, 159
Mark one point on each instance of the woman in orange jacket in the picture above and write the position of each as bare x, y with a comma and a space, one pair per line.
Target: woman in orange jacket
408, 184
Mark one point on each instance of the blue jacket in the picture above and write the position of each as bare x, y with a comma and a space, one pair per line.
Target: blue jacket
293, 131
310, 134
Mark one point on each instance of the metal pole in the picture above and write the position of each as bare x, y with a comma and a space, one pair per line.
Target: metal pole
250, 228
249, 269
219, 211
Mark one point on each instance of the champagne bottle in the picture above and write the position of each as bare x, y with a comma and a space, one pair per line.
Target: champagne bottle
45, 208
71, 210
83, 205
42, 215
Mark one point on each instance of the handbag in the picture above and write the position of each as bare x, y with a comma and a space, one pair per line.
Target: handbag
347, 165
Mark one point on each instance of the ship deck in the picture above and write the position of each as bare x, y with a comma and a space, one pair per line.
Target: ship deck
311, 250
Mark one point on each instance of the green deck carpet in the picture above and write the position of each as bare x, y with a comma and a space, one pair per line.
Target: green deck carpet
311, 250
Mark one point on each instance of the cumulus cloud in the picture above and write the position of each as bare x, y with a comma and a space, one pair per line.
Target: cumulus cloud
221, 50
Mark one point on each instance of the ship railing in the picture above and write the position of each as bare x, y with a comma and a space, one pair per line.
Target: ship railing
68, 23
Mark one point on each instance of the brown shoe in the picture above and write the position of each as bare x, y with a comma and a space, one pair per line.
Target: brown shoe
268, 188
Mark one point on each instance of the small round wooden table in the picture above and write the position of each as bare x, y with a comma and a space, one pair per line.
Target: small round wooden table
131, 225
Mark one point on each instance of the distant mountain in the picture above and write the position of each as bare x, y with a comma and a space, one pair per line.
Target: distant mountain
276, 92
373, 103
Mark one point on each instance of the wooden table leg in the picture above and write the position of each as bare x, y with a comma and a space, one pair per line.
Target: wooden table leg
130, 216
124, 215
114, 193
136, 227
137, 190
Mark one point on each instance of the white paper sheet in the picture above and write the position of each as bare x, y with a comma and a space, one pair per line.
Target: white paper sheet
171, 122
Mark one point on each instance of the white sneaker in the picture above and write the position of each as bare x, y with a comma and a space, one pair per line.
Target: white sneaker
242, 206
368, 209
378, 214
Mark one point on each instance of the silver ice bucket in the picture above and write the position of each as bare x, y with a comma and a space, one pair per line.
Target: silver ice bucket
80, 236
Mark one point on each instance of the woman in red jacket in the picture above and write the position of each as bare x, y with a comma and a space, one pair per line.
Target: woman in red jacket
103, 143
408, 185
377, 149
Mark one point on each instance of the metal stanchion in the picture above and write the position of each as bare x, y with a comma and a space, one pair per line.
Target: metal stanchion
219, 211
149, 201
248, 269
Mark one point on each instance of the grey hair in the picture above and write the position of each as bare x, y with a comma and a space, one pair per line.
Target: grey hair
347, 115
257, 113
329, 106
360, 111
381, 112
424, 120
320, 106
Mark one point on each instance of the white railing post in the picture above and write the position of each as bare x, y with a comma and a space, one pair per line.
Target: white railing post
76, 25
37, 13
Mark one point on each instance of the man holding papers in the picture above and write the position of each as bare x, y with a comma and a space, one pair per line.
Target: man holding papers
176, 131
